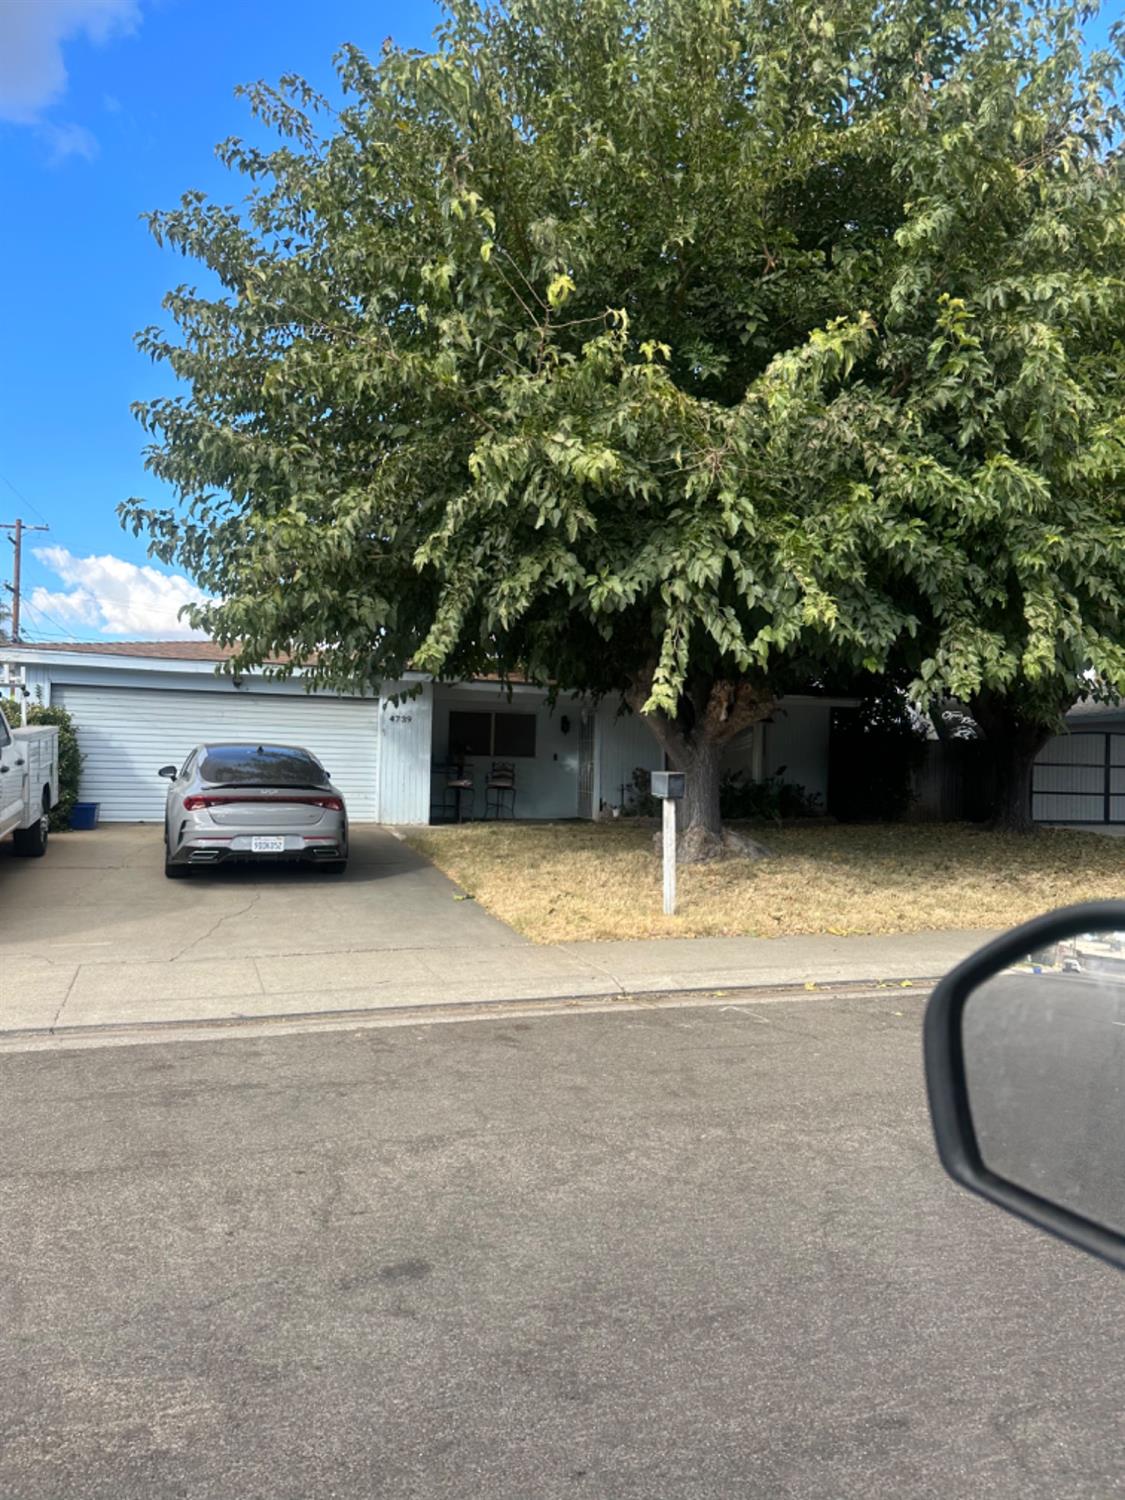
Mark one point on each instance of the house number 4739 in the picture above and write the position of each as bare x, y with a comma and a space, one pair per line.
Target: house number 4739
402, 718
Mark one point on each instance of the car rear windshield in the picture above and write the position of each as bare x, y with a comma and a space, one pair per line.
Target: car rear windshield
260, 765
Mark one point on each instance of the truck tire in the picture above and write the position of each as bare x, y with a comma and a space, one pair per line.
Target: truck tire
31, 842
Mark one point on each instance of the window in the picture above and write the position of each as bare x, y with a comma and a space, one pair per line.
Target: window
513, 735
469, 734
491, 734
261, 765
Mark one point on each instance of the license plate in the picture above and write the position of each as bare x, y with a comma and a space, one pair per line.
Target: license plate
267, 846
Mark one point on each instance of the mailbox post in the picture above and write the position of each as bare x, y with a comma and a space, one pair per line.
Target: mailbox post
669, 787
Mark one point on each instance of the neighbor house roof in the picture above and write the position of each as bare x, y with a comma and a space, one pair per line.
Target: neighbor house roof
196, 650
193, 650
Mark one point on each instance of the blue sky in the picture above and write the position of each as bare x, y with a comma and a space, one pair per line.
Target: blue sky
109, 108
146, 92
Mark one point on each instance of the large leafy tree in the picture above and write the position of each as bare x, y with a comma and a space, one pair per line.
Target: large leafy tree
1005, 322
685, 349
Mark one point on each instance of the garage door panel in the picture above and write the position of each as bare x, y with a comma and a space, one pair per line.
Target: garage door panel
127, 734
1051, 808
1079, 749
1076, 779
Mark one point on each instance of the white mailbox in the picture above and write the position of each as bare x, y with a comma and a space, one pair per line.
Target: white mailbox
668, 784
669, 787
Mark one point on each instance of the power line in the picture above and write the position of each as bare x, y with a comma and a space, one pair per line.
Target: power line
24, 500
37, 609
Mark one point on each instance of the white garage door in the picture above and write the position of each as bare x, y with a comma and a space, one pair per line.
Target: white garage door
127, 734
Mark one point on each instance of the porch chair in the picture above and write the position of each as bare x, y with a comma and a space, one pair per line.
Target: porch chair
458, 784
500, 790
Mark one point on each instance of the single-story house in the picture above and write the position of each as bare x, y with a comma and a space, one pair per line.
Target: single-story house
140, 705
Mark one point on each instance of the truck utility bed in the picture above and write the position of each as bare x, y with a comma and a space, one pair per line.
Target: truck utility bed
29, 783
41, 744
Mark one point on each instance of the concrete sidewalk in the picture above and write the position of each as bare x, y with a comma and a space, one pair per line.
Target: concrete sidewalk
51, 995
94, 936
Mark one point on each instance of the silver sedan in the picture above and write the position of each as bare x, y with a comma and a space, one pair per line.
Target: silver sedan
268, 803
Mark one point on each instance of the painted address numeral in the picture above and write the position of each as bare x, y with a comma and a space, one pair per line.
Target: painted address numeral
402, 718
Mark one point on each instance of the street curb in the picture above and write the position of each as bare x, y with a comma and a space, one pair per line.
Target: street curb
680, 995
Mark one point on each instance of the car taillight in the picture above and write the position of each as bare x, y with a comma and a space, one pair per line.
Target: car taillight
197, 803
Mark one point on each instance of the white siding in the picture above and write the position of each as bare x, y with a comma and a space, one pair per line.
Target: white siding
127, 733
624, 742
796, 738
37, 680
739, 754
797, 745
405, 733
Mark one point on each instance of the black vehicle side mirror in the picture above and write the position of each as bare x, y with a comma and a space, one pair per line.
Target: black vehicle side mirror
170, 771
1025, 1069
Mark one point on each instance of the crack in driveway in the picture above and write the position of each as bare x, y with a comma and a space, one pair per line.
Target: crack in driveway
66, 997
229, 916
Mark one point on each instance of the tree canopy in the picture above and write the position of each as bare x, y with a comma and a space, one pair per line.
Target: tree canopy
681, 348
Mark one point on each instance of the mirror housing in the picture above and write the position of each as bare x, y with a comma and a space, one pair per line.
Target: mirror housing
947, 1081
170, 771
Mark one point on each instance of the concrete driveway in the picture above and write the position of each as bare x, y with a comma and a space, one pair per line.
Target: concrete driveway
93, 934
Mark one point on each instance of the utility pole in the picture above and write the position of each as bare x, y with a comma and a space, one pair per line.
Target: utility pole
17, 528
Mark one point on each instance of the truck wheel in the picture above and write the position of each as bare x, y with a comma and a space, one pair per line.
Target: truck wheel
32, 842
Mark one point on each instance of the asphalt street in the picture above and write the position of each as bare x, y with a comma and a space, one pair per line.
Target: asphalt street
687, 1253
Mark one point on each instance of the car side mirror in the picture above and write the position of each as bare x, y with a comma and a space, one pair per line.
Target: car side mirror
170, 771
1025, 1069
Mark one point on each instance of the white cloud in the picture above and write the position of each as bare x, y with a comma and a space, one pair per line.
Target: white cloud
115, 597
69, 140
32, 33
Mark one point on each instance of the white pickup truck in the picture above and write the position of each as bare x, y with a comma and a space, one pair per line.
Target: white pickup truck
29, 784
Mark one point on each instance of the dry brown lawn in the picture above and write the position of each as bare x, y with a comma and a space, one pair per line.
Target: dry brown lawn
564, 882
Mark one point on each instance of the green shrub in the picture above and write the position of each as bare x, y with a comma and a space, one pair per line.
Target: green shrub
70, 757
639, 801
768, 800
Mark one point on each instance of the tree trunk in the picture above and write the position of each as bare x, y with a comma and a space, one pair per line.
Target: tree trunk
1012, 744
1012, 764
713, 712
700, 807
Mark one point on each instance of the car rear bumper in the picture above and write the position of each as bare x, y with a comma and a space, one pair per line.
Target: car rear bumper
265, 835
213, 849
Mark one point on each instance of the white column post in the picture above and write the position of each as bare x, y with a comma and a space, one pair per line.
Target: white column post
669, 856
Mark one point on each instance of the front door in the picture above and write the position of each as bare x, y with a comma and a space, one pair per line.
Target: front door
586, 766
